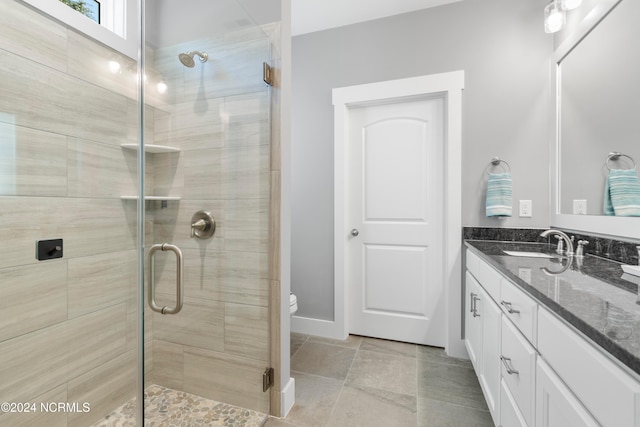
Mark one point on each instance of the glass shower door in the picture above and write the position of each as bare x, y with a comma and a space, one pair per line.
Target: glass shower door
207, 138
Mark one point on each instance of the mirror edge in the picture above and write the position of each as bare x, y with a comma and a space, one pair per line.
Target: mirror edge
616, 226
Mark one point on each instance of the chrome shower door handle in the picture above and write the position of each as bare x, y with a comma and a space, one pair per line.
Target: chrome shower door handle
179, 276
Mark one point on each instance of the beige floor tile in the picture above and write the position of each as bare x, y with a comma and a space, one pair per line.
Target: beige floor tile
452, 384
366, 407
390, 347
275, 422
434, 413
323, 359
296, 342
384, 371
352, 341
438, 355
315, 399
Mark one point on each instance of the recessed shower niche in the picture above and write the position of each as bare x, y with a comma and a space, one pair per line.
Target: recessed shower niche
157, 156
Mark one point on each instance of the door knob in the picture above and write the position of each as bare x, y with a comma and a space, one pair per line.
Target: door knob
355, 232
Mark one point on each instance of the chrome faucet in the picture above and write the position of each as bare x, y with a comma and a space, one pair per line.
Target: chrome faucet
567, 241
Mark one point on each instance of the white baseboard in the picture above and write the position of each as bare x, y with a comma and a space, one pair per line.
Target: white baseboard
318, 328
288, 395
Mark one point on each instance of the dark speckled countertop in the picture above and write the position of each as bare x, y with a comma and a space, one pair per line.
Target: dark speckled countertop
590, 295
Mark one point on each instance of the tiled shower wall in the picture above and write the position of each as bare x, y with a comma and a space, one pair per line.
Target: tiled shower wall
217, 114
67, 329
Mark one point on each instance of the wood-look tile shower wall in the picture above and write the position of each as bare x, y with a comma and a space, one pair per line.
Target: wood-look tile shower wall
67, 326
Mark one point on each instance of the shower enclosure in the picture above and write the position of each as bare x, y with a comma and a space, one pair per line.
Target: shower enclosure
123, 178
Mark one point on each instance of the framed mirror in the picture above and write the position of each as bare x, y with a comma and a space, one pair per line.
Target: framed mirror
597, 112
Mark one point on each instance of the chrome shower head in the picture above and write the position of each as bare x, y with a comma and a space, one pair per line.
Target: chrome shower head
187, 58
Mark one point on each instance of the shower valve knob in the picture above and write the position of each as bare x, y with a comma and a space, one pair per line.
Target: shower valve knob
203, 225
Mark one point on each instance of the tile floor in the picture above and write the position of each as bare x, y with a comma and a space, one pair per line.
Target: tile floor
370, 382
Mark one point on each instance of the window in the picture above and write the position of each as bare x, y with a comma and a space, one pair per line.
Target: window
89, 8
111, 22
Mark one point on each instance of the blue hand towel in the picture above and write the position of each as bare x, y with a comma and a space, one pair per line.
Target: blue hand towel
622, 193
499, 194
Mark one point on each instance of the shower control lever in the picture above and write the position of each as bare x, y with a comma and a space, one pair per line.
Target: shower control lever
198, 225
203, 225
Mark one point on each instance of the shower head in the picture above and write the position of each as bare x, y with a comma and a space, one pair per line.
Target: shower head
187, 58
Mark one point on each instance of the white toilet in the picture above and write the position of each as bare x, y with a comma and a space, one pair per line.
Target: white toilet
293, 304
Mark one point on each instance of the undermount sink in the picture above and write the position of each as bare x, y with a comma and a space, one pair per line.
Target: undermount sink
531, 254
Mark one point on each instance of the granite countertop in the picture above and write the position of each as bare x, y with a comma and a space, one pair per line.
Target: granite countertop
589, 293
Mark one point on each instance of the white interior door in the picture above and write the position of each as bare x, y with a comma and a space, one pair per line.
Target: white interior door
395, 174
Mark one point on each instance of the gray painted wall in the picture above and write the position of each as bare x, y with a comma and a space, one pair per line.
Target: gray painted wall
501, 46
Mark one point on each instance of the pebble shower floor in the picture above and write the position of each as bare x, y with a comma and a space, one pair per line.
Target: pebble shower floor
165, 407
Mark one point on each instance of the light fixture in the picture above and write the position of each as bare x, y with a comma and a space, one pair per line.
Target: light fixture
114, 67
554, 17
570, 4
162, 87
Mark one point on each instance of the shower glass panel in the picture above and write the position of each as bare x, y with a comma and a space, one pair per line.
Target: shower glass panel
73, 125
207, 112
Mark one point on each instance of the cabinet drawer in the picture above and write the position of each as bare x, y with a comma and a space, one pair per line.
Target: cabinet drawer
520, 308
518, 369
488, 277
509, 413
609, 393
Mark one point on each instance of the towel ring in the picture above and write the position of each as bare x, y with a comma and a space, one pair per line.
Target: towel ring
495, 162
616, 156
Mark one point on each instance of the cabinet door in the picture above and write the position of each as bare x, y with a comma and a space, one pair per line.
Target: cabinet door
490, 315
556, 406
473, 323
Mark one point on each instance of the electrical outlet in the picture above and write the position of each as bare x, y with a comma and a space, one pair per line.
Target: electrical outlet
579, 207
526, 209
525, 274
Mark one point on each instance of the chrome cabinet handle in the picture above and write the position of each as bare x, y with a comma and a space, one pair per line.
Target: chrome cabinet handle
509, 308
475, 299
152, 280
506, 361
355, 232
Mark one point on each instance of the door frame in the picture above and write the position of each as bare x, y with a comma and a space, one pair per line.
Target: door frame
450, 85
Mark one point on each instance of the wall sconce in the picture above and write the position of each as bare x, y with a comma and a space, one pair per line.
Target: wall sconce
570, 4
554, 17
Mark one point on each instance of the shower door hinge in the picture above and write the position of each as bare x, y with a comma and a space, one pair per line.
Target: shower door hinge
267, 379
266, 74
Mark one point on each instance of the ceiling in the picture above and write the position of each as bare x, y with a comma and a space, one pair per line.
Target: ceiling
308, 16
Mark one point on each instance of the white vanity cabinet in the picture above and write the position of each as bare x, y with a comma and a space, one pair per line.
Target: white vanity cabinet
611, 395
549, 374
482, 323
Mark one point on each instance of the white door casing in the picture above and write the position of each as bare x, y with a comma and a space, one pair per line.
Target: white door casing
394, 206
450, 85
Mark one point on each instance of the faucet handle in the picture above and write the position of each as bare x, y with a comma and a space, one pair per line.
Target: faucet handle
581, 245
560, 248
